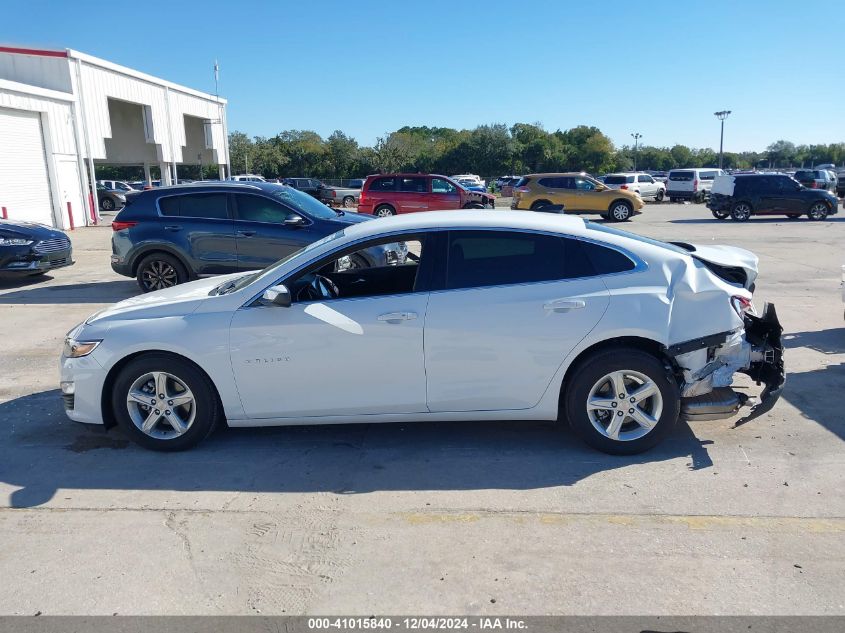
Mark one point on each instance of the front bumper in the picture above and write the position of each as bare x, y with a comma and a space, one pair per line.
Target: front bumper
758, 353
82, 387
28, 262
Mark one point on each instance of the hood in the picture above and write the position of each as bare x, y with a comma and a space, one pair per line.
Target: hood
350, 218
29, 230
726, 261
177, 301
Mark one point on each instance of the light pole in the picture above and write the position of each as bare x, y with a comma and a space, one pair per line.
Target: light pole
637, 136
722, 115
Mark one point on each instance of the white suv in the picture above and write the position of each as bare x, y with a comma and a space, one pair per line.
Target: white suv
643, 184
691, 184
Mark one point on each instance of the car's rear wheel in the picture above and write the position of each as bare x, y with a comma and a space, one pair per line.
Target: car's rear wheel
107, 204
621, 401
741, 211
384, 211
818, 211
160, 270
660, 195
164, 402
348, 202
473, 205
621, 210
719, 215
539, 204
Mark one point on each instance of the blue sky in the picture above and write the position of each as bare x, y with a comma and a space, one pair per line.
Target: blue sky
370, 66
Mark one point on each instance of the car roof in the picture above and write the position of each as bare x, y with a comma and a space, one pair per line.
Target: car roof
223, 184
470, 218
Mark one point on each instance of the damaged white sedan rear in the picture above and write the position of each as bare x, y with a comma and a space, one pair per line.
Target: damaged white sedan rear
491, 315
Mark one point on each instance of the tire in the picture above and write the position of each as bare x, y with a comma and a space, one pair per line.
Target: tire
348, 202
793, 216
473, 205
539, 204
384, 211
660, 195
593, 379
107, 204
719, 215
818, 211
160, 270
620, 210
179, 379
741, 211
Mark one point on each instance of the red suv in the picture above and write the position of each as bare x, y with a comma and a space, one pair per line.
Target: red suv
388, 194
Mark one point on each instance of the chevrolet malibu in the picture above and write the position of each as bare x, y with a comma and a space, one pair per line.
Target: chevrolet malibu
491, 316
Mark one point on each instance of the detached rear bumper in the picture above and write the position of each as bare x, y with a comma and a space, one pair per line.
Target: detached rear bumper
709, 363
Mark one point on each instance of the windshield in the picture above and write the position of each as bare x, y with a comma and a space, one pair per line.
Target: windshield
300, 201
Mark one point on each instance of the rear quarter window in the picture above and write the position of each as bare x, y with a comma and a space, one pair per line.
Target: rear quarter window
605, 260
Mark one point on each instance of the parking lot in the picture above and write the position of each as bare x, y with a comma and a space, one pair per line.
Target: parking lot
471, 518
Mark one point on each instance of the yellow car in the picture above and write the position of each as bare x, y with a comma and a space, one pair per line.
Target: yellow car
578, 193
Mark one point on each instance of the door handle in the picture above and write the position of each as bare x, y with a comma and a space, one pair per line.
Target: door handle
172, 227
246, 233
564, 305
397, 317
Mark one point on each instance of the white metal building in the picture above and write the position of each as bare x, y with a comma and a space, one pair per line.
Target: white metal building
63, 112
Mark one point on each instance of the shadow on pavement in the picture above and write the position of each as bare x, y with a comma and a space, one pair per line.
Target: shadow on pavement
94, 292
42, 451
823, 341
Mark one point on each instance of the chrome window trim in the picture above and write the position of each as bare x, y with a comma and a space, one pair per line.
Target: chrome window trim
639, 264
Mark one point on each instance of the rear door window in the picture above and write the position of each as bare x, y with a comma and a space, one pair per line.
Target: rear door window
413, 185
491, 258
383, 184
647, 179
196, 205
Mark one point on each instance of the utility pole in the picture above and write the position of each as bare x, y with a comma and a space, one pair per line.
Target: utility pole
637, 136
722, 115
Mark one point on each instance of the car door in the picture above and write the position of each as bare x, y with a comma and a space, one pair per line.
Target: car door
444, 195
352, 355
266, 231
587, 198
647, 186
201, 225
411, 194
792, 199
769, 196
514, 304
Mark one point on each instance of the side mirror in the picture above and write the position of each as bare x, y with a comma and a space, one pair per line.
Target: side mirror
294, 220
278, 296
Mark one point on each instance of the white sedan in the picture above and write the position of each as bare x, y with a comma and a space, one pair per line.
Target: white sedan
493, 316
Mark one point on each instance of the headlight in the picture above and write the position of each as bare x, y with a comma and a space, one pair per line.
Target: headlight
15, 241
78, 349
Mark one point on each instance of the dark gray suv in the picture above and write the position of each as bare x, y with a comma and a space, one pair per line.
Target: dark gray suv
170, 235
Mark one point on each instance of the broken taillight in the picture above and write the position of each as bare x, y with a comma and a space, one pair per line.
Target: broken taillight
743, 305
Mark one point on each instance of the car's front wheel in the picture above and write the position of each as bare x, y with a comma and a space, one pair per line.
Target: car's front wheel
660, 195
621, 401
164, 402
159, 271
107, 204
818, 211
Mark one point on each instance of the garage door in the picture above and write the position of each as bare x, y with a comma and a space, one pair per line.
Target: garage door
24, 184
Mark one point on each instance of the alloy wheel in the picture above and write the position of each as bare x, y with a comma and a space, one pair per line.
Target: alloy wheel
621, 212
741, 212
624, 405
818, 211
158, 275
161, 405
108, 204
383, 213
